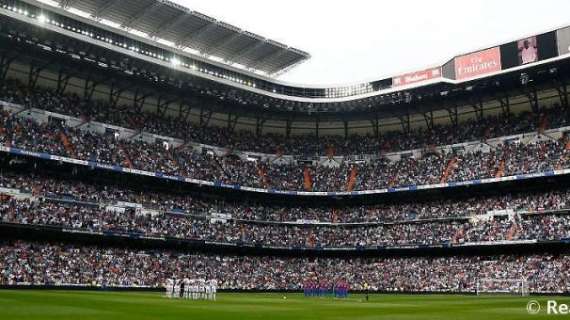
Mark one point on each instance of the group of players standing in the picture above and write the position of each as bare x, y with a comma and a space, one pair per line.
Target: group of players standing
192, 289
324, 288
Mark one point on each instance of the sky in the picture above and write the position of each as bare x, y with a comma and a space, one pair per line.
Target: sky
361, 40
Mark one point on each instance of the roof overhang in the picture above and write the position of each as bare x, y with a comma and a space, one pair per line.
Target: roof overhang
191, 31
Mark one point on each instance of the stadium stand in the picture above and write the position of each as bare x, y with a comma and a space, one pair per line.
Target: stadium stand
541, 153
125, 162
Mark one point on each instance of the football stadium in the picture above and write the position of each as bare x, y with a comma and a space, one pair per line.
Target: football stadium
154, 166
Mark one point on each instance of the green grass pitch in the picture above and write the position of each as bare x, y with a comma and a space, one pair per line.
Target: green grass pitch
38, 304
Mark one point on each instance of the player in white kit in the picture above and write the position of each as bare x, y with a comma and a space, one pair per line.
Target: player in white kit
193, 289
186, 288
169, 285
176, 288
202, 289
211, 288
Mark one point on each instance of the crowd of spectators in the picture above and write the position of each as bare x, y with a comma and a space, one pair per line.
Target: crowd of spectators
54, 138
528, 216
27, 263
97, 194
88, 206
129, 117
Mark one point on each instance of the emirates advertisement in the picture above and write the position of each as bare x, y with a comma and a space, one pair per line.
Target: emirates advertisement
478, 63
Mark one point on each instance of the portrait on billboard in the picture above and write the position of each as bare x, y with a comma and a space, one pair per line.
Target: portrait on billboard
528, 50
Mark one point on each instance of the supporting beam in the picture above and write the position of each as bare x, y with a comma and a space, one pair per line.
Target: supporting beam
232, 122
34, 73
478, 108
139, 99
89, 88
562, 89
505, 105
62, 80
162, 105
376, 126
405, 123
453, 115
115, 94
184, 109
317, 129
428, 117
259, 122
205, 116
532, 96
5, 61
288, 127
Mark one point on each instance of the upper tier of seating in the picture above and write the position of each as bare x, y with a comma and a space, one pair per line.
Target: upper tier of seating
307, 145
82, 139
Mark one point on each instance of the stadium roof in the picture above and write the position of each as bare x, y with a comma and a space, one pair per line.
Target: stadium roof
185, 28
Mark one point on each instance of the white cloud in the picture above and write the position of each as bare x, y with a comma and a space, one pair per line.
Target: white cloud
352, 41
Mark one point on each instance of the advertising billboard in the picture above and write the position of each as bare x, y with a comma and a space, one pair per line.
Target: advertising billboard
479, 63
415, 77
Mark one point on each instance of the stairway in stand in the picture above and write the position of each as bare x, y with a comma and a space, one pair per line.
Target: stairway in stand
262, 173
69, 149
449, 169
307, 179
513, 231
500, 169
351, 183
127, 159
